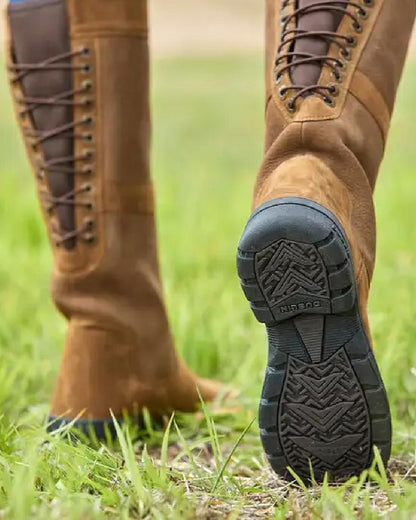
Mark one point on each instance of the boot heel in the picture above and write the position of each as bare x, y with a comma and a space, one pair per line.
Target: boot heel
323, 405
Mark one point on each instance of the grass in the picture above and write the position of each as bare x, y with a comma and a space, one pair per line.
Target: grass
208, 119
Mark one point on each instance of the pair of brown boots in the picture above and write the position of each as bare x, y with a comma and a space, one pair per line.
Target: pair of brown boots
79, 74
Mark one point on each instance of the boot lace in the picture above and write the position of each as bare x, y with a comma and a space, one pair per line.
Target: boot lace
73, 164
288, 58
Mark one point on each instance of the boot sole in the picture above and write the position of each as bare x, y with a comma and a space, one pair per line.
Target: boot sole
99, 428
323, 405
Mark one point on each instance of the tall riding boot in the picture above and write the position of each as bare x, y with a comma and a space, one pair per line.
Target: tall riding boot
79, 73
306, 257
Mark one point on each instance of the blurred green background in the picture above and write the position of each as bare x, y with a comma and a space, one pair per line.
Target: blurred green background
207, 145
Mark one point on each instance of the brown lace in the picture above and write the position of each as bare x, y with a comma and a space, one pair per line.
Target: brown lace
289, 36
67, 165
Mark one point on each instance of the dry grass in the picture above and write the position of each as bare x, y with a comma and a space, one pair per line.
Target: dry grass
261, 491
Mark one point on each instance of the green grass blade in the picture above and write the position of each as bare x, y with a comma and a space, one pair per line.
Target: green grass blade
227, 461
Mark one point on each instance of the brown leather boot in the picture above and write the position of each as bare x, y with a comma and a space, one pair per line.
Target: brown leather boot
306, 257
79, 73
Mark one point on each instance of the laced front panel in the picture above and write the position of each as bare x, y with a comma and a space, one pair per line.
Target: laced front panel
71, 165
288, 58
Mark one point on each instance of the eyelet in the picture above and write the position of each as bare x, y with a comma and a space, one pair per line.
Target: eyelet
362, 13
352, 40
277, 78
87, 120
86, 187
282, 92
87, 170
89, 223
337, 76
87, 155
84, 51
88, 137
345, 53
40, 175
86, 69
89, 238
358, 28
291, 106
86, 85
333, 89
283, 20
329, 101
86, 102
341, 64
368, 3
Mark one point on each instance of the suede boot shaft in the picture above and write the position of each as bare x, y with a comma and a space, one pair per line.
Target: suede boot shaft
339, 126
84, 87
306, 255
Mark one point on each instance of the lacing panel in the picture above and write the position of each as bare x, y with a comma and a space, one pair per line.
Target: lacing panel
288, 58
72, 165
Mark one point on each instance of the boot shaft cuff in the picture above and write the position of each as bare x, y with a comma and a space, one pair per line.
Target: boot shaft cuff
97, 18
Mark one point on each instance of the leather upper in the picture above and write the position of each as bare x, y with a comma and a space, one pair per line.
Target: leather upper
119, 352
349, 137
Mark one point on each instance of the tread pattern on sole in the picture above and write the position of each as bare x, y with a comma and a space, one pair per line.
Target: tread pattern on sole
323, 404
286, 269
323, 417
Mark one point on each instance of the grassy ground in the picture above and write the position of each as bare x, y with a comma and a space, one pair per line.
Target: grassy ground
207, 146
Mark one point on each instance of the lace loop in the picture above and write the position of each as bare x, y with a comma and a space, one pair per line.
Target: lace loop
288, 58
70, 165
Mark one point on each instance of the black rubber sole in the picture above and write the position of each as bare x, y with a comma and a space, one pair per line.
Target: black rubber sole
323, 405
98, 428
